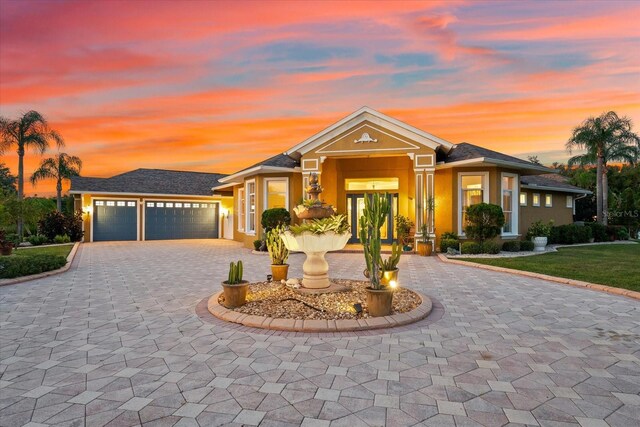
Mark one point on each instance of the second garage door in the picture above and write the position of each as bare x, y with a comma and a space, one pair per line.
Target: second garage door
166, 220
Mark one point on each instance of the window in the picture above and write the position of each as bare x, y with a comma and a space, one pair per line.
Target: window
160, 205
473, 188
548, 200
536, 199
150, 204
196, 205
570, 201
187, 205
250, 191
178, 205
99, 203
509, 206
131, 204
367, 184
203, 205
276, 193
111, 203
241, 209
169, 204
119, 203
523, 199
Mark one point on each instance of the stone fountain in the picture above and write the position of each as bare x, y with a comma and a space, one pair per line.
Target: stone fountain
315, 246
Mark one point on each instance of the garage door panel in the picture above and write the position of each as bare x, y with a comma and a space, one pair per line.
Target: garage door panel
179, 220
115, 220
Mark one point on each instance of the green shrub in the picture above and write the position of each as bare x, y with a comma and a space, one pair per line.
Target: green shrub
526, 245
617, 232
449, 235
570, 234
448, 243
275, 217
37, 239
511, 246
484, 221
14, 239
471, 248
623, 233
56, 224
490, 247
598, 231
17, 266
257, 244
61, 239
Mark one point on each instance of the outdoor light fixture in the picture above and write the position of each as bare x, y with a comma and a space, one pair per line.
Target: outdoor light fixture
87, 210
393, 284
357, 307
224, 212
269, 278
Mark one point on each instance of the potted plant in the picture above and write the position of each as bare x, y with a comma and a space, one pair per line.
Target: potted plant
6, 246
390, 266
278, 253
379, 295
539, 233
235, 289
403, 231
424, 245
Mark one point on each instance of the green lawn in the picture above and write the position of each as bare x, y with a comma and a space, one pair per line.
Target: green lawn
48, 250
612, 265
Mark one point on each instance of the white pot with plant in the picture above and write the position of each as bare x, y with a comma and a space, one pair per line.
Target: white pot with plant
539, 233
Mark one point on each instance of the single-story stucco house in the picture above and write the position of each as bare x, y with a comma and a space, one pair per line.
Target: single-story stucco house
364, 152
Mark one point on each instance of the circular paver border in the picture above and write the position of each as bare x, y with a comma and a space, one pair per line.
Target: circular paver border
320, 325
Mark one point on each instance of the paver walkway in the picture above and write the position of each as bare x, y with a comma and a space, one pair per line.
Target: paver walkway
117, 341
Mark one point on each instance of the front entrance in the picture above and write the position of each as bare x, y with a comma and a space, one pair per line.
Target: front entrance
355, 207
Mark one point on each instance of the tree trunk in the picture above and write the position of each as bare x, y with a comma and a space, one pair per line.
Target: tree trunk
599, 188
59, 194
20, 189
605, 196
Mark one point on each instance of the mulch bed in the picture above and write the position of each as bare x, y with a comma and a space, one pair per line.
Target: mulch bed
279, 301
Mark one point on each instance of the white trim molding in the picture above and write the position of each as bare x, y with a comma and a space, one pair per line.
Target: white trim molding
247, 212
515, 202
315, 166
419, 160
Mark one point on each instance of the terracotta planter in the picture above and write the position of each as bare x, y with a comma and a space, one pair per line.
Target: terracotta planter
279, 272
235, 295
6, 250
389, 276
424, 249
379, 302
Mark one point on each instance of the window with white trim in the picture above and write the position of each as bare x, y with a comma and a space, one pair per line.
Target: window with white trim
250, 191
276, 193
473, 188
548, 200
570, 201
536, 200
523, 199
241, 209
509, 203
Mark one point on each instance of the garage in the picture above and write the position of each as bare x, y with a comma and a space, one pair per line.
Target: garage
115, 220
167, 219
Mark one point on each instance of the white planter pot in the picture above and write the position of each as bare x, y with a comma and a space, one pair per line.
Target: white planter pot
539, 244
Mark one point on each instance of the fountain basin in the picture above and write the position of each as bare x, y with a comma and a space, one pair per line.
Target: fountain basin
315, 246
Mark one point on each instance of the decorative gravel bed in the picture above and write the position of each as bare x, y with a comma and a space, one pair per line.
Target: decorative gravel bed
279, 301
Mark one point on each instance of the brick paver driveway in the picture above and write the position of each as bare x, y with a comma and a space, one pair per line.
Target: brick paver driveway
117, 340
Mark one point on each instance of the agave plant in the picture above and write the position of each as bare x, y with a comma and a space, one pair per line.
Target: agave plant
336, 223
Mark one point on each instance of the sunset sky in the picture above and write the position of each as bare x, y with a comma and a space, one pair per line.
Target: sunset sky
217, 86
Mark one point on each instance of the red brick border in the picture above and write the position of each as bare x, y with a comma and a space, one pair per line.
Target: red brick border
561, 280
293, 325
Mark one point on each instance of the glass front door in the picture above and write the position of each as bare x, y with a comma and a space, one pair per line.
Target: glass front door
355, 207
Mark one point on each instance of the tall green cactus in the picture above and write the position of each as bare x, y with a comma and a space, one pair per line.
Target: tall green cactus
391, 263
235, 273
376, 211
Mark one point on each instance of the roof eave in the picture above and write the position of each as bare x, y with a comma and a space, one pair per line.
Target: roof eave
559, 189
252, 171
488, 160
126, 193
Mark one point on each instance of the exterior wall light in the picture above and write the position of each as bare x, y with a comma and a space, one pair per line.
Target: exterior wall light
87, 210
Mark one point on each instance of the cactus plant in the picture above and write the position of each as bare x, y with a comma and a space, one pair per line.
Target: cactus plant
376, 210
235, 273
277, 250
391, 263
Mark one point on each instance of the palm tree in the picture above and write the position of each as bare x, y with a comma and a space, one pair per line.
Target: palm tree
607, 138
29, 131
60, 167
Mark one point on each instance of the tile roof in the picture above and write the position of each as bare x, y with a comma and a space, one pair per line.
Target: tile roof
466, 151
150, 181
551, 180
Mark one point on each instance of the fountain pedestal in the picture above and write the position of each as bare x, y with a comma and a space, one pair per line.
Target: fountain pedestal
315, 246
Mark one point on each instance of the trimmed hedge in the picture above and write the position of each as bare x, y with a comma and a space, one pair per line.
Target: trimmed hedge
570, 234
275, 217
511, 246
18, 266
617, 232
448, 243
491, 247
526, 245
598, 231
471, 248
